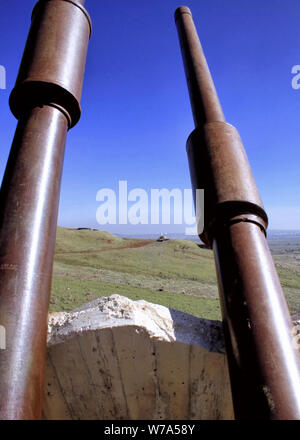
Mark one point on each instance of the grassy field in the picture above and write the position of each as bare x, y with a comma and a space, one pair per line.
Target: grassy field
178, 274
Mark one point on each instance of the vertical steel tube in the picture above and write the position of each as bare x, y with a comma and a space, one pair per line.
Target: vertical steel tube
263, 362
46, 101
203, 96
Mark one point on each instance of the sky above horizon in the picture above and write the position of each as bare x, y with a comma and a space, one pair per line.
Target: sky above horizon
136, 115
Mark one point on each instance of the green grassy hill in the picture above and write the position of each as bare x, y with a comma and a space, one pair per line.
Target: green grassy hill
178, 274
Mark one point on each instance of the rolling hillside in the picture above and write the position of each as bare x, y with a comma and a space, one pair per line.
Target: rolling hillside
175, 273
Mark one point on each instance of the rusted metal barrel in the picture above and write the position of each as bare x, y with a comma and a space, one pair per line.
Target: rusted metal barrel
46, 102
263, 360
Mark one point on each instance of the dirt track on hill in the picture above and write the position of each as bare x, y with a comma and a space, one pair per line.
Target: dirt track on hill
93, 251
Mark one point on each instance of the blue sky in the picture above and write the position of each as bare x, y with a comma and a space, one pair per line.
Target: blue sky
136, 114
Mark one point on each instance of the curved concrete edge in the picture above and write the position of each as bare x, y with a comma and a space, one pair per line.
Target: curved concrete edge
117, 359
161, 322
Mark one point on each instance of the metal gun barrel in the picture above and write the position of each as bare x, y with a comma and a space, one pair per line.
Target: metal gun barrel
262, 358
46, 102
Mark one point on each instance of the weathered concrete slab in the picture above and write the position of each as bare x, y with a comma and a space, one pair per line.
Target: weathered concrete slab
121, 359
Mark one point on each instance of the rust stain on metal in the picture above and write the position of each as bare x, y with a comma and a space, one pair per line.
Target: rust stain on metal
46, 101
257, 324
